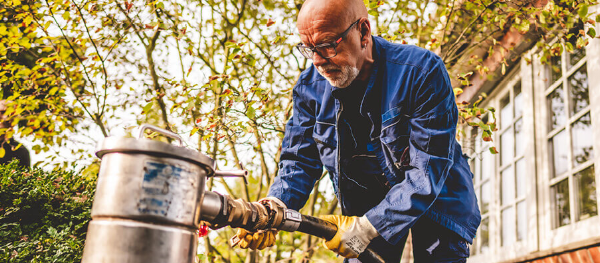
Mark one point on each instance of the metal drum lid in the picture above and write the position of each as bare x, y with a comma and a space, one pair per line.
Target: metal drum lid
155, 148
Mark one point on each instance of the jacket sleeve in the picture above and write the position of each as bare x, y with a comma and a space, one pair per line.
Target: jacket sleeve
431, 145
299, 164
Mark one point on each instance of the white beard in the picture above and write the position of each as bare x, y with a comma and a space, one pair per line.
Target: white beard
343, 79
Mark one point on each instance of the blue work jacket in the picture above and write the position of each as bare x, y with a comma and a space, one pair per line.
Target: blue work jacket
413, 166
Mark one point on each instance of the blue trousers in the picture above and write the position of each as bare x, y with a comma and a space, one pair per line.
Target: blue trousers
432, 243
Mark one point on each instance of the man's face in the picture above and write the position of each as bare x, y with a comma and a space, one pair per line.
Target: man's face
342, 69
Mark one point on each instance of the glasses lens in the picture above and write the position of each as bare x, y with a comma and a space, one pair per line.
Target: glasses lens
305, 51
327, 51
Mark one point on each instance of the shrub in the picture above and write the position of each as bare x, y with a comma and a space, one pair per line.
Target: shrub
43, 215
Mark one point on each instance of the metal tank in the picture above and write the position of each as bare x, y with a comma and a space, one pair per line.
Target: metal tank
148, 201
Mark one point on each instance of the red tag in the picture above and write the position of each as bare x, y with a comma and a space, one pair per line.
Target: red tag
203, 231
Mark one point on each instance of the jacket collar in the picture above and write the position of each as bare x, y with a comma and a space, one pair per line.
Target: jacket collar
367, 98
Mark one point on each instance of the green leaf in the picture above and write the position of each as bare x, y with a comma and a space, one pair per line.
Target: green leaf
373, 12
543, 17
569, 47
583, 11
148, 106
251, 113
591, 32
598, 18
493, 150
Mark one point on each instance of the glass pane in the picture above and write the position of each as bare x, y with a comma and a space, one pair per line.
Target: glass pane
486, 163
521, 178
587, 199
507, 146
578, 53
521, 220
519, 138
508, 226
518, 100
508, 186
561, 199
485, 235
555, 69
581, 137
578, 84
506, 113
560, 148
485, 197
556, 106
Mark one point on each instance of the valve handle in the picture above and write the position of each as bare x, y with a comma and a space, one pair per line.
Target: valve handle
162, 131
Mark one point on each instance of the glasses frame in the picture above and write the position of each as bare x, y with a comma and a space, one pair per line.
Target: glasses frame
333, 44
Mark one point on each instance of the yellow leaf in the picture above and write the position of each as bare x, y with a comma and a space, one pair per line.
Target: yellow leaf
458, 91
28, 20
2, 152
53, 91
16, 2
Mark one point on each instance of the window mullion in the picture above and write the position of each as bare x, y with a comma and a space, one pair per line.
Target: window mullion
573, 200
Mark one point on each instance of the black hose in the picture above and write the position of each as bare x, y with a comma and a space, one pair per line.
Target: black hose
317, 227
324, 229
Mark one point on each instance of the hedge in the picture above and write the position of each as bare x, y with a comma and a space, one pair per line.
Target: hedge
43, 215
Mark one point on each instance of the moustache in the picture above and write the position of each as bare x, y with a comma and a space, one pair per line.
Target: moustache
328, 68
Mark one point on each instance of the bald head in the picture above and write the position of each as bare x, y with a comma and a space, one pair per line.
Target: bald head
341, 30
331, 13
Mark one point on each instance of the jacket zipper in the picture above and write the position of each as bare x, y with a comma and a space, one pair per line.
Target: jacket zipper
337, 120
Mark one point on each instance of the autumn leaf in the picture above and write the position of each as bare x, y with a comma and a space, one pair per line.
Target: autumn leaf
128, 6
270, 22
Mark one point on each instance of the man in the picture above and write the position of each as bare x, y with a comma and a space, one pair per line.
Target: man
381, 118
10, 146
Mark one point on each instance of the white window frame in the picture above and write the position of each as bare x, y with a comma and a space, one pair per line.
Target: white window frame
477, 147
529, 244
579, 232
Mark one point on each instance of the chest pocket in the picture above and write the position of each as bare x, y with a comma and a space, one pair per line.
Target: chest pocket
324, 136
394, 136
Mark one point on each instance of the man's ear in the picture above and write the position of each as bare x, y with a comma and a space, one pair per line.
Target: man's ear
365, 30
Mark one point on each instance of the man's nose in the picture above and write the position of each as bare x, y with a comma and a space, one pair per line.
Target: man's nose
318, 60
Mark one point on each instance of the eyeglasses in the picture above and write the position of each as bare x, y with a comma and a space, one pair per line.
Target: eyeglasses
325, 50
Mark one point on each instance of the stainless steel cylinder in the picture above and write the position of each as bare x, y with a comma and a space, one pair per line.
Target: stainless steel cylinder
147, 202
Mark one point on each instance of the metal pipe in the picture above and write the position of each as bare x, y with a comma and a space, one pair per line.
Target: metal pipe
236, 173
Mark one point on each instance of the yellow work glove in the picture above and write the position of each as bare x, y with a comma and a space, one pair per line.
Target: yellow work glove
256, 240
353, 236
262, 238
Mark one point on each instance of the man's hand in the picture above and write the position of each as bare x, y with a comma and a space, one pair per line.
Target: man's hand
262, 238
256, 240
353, 236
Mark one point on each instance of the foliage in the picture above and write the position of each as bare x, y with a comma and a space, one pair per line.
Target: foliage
43, 215
221, 73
